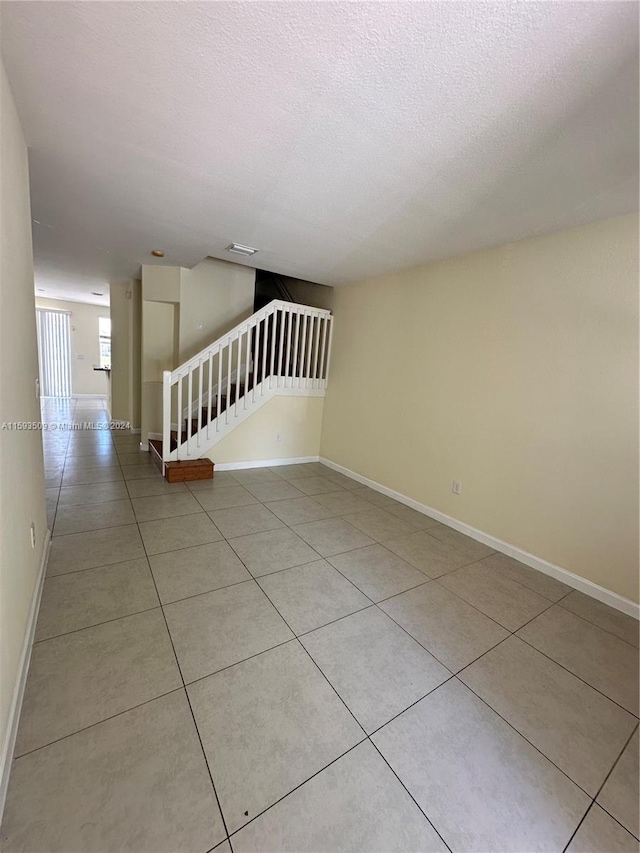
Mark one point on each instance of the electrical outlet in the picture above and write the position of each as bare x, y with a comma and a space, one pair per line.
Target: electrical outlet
278, 437
33, 535
456, 487
37, 389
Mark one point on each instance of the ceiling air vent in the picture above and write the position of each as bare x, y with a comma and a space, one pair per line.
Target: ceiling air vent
237, 249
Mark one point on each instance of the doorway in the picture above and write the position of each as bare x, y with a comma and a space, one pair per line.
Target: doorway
54, 352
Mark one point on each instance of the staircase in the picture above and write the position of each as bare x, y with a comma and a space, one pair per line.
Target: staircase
282, 349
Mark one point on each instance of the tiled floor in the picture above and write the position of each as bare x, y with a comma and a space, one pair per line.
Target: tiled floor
284, 660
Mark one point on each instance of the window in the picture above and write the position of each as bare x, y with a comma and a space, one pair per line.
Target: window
104, 330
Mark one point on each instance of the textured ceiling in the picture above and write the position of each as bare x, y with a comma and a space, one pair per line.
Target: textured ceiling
342, 139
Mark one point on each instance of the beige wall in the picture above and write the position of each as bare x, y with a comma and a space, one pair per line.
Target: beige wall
22, 481
297, 420
159, 348
309, 293
175, 302
217, 295
85, 344
160, 283
160, 323
126, 333
515, 372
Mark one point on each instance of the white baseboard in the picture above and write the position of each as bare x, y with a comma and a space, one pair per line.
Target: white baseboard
6, 756
619, 602
263, 463
157, 436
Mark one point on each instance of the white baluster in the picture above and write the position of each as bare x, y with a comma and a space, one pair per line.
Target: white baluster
199, 402
179, 430
210, 389
316, 345
272, 359
228, 399
280, 346
219, 389
254, 332
166, 415
303, 350
289, 317
246, 366
238, 372
310, 344
323, 351
295, 350
189, 409
264, 351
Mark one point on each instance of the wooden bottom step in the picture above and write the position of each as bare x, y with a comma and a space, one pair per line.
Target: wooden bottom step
181, 472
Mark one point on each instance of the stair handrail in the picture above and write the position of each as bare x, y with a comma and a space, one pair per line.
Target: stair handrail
241, 327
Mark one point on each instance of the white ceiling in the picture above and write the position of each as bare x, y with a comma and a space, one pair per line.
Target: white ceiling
342, 139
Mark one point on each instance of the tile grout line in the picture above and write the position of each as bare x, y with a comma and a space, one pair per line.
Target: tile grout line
93, 725
453, 676
320, 557
97, 624
102, 565
504, 639
523, 736
594, 624
598, 792
366, 735
293, 790
293, 638
428, 579
237, 663
184, 687
381, 543
597, 689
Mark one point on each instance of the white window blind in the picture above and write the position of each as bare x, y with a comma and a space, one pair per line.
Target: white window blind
104, 331
54, 352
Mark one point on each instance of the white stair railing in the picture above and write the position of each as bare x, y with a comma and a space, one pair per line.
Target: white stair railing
282, 349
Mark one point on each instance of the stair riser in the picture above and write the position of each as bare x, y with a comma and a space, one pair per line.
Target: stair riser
181, 472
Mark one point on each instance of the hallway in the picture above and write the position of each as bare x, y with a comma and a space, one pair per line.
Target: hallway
281, 659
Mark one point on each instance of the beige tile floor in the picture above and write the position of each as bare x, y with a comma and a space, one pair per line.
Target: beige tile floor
284, 660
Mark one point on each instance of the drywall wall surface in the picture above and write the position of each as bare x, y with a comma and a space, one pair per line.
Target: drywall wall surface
297, 420
513, 371
136, 354
126, 332
160, 284
22, 496
158, 353
159, 327
214, 297
310, 293
85, 344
